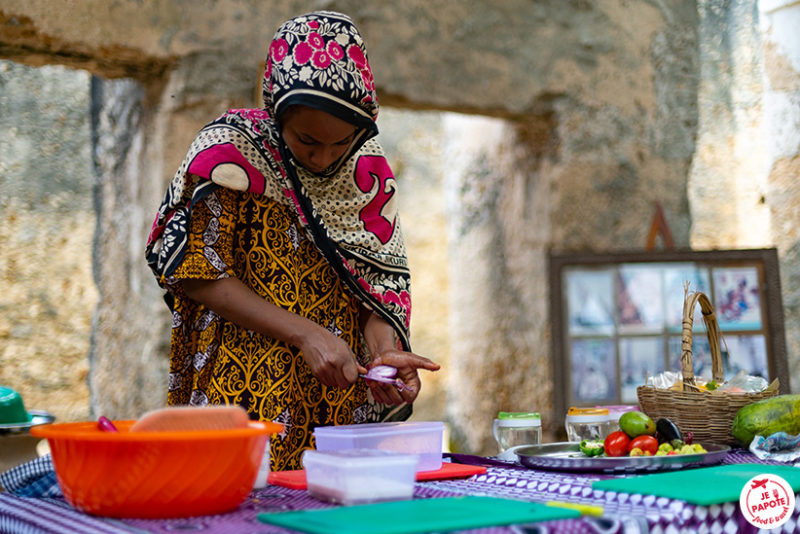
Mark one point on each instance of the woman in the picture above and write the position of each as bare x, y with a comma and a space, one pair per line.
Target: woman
280, 248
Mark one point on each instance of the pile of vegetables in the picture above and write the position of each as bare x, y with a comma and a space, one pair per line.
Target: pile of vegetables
640, 436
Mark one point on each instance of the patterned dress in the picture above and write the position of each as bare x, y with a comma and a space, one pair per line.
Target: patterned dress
321, 245
257, 240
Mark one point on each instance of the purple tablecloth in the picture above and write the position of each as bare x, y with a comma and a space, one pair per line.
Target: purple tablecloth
624, 513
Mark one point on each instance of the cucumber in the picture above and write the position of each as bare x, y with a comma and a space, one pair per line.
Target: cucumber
767, 416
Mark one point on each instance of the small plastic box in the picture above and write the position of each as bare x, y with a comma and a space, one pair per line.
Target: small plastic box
359, 476
423, 438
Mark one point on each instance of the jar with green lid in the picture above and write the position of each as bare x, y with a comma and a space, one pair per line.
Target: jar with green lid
514, 429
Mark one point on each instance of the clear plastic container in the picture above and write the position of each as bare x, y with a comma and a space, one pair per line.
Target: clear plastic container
513, 429
423, 438
359, 476
588, 423
616, 411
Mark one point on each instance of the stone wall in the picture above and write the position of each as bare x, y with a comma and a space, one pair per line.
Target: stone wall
46, 235
605, 107
779, 20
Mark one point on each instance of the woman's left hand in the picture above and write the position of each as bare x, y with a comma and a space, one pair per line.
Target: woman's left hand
407, 364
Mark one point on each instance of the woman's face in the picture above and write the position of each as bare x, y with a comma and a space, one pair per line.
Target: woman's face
317, 139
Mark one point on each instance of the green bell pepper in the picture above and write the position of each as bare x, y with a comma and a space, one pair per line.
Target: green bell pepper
591, 447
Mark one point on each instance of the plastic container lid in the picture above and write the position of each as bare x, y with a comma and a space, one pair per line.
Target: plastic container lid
366, 430
518, 419
616, 411
423, 438
358, 458
587, 415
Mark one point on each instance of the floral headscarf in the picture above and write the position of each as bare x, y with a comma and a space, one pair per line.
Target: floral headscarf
349, 210
319, 60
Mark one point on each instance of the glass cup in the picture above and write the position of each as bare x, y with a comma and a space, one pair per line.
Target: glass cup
514, 429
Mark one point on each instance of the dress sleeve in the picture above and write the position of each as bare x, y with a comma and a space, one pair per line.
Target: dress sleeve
209, 247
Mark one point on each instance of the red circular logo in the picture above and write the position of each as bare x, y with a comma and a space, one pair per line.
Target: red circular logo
767, 501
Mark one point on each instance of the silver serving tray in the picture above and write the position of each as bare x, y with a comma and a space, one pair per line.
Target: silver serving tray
38, 417
566, 456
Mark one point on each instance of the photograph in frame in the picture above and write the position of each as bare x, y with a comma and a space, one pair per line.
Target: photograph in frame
590, 301
675, 278
737, 298
639, 358
594, 371
640, 298
746, 353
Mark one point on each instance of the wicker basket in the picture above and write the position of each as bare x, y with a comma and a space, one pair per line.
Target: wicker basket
708, 415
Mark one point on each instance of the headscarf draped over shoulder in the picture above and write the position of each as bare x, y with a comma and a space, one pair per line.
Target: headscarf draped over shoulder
349, 210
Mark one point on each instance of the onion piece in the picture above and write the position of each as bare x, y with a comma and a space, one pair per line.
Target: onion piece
382, 371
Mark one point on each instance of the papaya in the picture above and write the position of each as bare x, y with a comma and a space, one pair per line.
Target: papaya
765, 417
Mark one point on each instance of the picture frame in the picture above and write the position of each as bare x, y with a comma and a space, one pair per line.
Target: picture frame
616, 319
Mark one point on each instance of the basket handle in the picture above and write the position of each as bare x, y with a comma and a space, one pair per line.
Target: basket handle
713, 332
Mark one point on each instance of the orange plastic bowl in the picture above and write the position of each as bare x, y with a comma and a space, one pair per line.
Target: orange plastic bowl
155, 474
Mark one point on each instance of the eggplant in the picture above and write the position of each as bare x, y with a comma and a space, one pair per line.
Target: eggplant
667, 430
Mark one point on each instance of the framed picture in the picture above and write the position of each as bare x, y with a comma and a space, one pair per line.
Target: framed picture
595, 370
590, 297
639, 356
617, 319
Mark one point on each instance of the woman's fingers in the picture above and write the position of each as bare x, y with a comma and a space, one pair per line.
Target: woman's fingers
400, 359
386, 393
407, 365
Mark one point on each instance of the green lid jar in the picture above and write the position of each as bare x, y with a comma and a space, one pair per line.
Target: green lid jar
516, 429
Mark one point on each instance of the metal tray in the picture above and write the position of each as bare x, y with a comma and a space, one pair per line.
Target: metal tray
566, 456
38, 417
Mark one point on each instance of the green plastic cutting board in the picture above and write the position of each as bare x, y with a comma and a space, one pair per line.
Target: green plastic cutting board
418, 515
703, 486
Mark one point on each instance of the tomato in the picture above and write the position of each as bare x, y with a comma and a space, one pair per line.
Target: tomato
616, 444
645, 443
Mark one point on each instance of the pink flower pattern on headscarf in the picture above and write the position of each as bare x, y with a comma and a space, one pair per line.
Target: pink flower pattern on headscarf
321, 59
302, 53
315, 40
355, 53
335, 51
279, 49
330, 44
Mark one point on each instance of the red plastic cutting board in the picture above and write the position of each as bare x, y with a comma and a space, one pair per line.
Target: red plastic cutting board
297, 479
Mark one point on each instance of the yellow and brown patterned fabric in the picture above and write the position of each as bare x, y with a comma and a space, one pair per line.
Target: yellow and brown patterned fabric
258, 241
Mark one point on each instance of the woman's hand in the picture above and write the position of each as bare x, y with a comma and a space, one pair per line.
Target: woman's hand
383, 345
329, 358
407, 364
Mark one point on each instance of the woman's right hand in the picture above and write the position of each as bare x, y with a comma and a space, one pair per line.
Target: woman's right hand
329, 357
